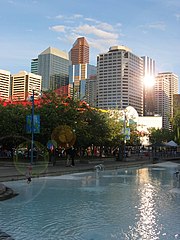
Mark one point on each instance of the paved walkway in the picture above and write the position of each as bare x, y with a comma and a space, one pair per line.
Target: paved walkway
11, 172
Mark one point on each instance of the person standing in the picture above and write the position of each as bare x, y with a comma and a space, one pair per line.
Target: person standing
68, 151
72, 155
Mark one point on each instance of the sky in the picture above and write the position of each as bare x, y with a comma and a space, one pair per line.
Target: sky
148, 27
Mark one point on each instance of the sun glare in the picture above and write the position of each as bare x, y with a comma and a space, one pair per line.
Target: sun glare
149, 81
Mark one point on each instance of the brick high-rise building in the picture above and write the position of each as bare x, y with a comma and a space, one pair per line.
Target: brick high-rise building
79, 53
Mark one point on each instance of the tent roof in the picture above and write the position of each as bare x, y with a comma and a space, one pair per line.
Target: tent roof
171, 144
157, 145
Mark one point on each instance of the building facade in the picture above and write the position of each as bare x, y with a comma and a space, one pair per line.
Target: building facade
176, 104
78, 74
149, 86
91, 91
120, 79
166, 85
144, 124
23, 84
53, 66
5, 85
34, 65
79, 53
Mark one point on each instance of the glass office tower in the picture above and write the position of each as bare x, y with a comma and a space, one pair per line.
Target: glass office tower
53, 66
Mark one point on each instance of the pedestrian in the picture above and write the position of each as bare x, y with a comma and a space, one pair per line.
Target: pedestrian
29, 174
72, 155
68, 149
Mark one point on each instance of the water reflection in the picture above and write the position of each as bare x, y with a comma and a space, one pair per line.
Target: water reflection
146, 219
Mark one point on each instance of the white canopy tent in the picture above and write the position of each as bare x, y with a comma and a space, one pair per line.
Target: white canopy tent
171, 144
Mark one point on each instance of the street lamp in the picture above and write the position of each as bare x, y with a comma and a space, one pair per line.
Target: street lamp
122, 149
32, 127
125, 119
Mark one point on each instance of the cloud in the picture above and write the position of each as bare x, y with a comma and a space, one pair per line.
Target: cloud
11, 2
91, 20
102, 44
177, 16
89, 29
106, 26
58, 28
59, 16
77, 16
74, 16
159, 26
100, 35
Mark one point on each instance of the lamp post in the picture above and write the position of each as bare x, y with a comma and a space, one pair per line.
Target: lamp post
125, 118
122, 147
32, 127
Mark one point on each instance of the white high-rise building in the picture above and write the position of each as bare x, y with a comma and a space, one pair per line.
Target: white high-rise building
5, 87
23, 84
166, 85
120, 79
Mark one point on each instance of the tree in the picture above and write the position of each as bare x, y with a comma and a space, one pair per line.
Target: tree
90, 125
175, 121
160, 135
13, 124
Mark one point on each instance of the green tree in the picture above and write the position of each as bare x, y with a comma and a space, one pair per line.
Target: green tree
160, 135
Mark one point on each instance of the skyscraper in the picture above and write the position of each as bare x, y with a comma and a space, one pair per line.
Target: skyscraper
78, 74
23, 84
91, 91
34, 65
176, 104
149, 84
53, 66
166, 85
79, 53
5, 86
120, 79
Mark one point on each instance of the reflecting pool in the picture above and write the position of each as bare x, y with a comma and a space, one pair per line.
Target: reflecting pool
128, 204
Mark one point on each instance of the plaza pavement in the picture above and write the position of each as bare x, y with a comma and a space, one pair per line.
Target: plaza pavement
11, 172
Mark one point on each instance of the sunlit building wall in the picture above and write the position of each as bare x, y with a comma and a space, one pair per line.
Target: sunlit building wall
144, 124
79, 73
120, 79
91, 92
53, 66
5, 85
166, 85
88, 91
23, 84
176, 104
149, 86
162, 93
79, 53
173, 80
